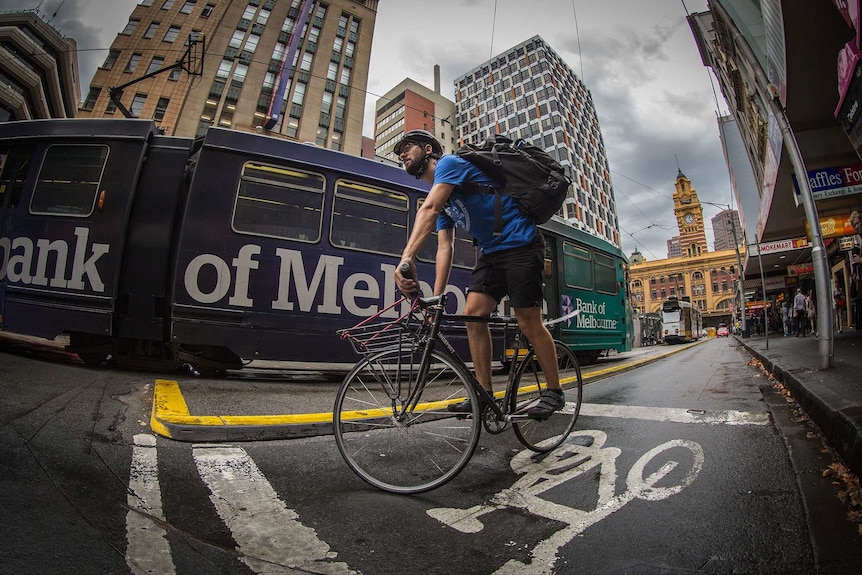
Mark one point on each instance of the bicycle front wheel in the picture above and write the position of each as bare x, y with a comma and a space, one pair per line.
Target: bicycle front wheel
404, 447
547, 434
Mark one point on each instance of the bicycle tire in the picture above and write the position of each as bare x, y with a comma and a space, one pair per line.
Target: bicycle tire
424, 448
542, 436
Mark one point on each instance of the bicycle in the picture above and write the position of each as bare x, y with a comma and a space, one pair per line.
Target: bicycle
391, 419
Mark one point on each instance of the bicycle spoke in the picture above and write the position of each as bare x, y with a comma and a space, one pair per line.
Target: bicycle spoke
545, 435
404, 450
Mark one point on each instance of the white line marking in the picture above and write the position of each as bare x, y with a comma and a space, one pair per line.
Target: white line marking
676, 415
148, 550
267, 533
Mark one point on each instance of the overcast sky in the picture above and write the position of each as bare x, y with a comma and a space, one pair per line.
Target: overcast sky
655, 100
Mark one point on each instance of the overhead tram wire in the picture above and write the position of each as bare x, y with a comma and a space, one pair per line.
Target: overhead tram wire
578, 36
646, 249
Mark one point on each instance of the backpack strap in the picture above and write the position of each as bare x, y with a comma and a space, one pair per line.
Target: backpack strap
476, 188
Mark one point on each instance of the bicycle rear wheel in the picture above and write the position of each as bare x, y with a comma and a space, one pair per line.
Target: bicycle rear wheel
544, 435
396, 447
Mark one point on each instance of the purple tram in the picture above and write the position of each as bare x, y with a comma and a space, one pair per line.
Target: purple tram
159, 251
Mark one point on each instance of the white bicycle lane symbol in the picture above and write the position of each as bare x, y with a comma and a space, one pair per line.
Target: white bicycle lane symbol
565, 463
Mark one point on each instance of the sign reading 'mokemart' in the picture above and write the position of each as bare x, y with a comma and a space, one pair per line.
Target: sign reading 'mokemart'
832, 182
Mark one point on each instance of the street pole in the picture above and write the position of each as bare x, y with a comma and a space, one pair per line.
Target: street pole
763, 289
739, 274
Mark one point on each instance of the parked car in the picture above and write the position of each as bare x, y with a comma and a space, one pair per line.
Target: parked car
722, 331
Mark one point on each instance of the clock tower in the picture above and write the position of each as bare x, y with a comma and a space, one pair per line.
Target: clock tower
689, 218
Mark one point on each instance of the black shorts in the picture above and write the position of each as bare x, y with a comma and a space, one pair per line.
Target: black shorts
517, 272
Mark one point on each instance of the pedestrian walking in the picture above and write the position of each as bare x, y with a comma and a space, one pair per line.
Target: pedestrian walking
840, 304
799, 312
785, 318
811, 313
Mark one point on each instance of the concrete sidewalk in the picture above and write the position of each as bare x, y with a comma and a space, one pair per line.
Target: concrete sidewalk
831, 397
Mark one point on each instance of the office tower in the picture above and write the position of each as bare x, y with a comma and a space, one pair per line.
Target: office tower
412, 106
244, 81
529, 92
38, 69
724, 225
674, 248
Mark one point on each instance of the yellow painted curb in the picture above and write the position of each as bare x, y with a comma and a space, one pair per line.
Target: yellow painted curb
170, 415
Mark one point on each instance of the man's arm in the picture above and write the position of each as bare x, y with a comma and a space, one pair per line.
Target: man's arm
445, 252
426, 219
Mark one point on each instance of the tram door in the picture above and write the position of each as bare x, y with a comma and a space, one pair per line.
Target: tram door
65, 223
552, 281
14, 163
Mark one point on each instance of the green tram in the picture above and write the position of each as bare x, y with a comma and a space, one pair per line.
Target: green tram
589, 275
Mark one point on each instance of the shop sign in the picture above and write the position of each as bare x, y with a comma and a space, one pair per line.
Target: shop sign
800, 269
846, 243
833, 182
833, 227
776, 247
774, 283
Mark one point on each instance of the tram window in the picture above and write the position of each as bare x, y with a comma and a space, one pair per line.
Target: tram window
68, 180
368, 218
578, 267
465, 251
279, 202
606, 277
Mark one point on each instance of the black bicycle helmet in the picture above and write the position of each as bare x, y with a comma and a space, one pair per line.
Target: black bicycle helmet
420, 137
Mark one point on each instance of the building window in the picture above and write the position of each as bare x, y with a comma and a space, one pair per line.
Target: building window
111, 59
138, 104
299, 94
224, 69
251, 42
133, 63
92, 96
236, 39
175, 74
155, 64
172, 34
161, 107
131, 27
151, 31
307, 58
167, 5
208, 10
239, 73
187, 7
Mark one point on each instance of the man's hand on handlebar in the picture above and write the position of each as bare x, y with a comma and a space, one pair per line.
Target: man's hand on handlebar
405, 278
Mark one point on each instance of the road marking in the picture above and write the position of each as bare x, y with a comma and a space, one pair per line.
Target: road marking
568, 461
676, 415
148, 550
268, 534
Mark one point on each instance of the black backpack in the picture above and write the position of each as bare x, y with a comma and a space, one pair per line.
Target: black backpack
525, 172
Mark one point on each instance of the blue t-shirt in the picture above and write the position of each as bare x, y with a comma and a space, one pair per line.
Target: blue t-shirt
474, 212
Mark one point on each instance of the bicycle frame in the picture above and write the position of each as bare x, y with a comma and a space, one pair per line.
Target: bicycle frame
435, 336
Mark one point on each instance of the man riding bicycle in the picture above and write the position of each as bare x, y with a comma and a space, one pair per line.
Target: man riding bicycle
510, 263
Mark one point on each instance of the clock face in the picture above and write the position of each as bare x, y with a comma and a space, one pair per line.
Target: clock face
689, 218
